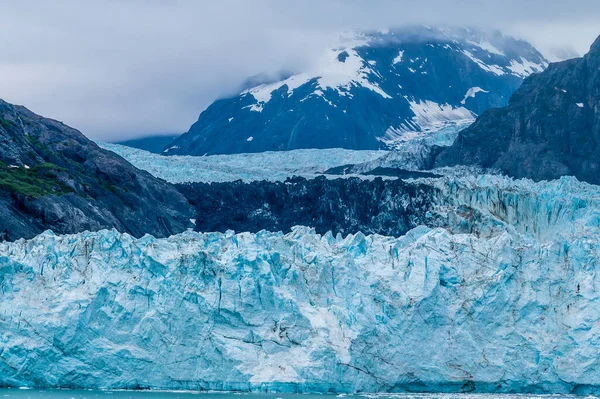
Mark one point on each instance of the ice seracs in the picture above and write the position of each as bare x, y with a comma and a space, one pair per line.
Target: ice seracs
507, 287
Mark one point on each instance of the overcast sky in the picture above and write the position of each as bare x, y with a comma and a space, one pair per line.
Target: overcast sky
121, 69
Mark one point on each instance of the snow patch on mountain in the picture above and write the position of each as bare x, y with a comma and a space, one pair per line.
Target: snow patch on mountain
471, 93
492, 68
432, 116
486, 46
262, 93
398, 58
341, 76
524, 68
338, 69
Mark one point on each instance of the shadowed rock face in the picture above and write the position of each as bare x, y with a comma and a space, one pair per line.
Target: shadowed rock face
53, 177
550, 128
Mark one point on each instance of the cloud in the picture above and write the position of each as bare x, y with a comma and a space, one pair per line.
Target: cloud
121, 69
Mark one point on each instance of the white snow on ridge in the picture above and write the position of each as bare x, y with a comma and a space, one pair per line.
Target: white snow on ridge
271, 166
263, 93
487, 46
471, 93
330, 72
255, 107
341, 76
524, 68
495, 69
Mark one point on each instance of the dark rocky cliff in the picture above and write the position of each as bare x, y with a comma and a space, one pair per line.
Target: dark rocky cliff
53, 177
550, 128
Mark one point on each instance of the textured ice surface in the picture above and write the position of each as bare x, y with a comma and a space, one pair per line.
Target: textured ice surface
505, 299
271, 166
413, 151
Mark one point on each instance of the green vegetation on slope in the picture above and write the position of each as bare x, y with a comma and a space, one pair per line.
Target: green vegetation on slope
37, 181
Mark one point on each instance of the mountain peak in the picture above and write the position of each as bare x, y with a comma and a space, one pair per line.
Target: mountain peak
595, 49
369, 91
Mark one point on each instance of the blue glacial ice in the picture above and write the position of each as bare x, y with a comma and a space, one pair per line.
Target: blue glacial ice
411, 153
504, 298
271, 166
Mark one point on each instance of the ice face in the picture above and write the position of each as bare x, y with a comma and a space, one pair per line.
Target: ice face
502, 300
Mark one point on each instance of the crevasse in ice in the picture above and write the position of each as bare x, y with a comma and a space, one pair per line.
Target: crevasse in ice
505, 298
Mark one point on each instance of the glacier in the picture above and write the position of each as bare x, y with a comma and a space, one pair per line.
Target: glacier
501, 296
270, 165
410, 152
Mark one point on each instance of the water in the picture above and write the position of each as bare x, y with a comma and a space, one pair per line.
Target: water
67, 394
15, 393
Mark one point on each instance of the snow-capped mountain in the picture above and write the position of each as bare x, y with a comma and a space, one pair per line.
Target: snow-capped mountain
369, 91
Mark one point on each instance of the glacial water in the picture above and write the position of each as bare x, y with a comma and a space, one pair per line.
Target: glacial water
86, 394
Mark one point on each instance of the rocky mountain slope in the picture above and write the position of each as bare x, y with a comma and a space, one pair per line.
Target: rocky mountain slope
53, 177
550, 128
368, 92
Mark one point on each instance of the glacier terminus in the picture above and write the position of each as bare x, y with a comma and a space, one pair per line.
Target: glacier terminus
500, 299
